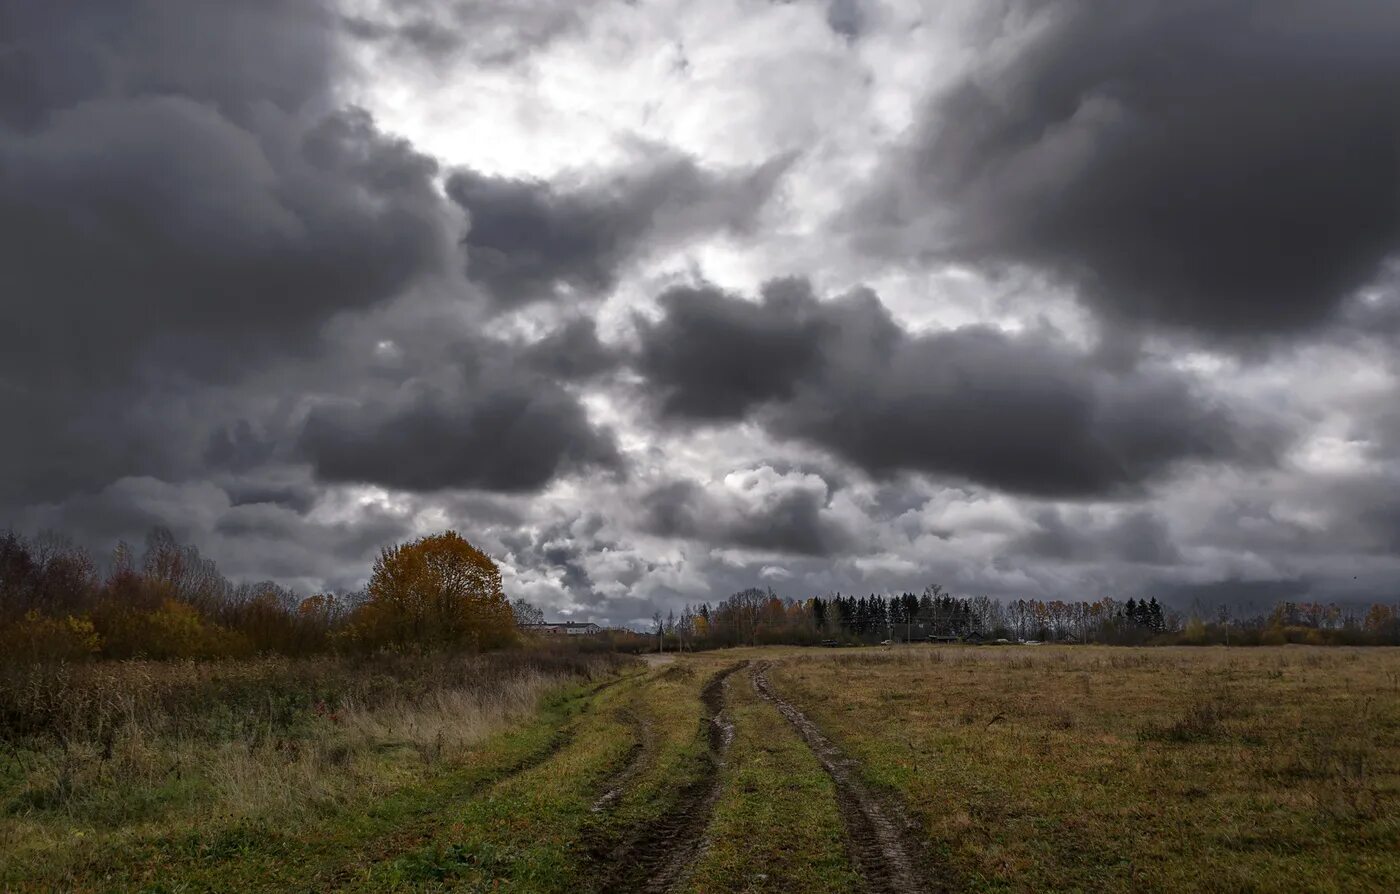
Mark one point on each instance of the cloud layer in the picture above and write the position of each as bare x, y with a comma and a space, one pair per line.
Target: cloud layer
1202, 164
656, 302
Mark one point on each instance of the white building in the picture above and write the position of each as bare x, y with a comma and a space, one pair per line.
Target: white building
566, 628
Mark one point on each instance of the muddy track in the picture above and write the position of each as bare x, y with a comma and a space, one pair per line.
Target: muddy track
634, 763
655, 859
416, 833
881, 840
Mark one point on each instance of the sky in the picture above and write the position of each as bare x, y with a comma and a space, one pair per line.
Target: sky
656, 300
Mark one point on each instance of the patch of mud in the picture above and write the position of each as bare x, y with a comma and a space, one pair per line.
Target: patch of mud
635, 761
882, 841
656, 859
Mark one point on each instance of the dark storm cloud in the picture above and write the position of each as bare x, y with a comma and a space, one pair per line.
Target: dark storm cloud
1229, 167
187, 207
230, 54
532, 240
1024, 413
239, 446
572, 352
792, 521
491, 429
1140, 538
298, 497
846, 18
716, 356
154, 227
1235, 593
181, 202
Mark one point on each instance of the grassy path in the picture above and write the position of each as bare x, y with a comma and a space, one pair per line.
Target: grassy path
884, 845
655, 854
776, 827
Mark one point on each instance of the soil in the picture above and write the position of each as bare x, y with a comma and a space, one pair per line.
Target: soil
656, 859
882, 841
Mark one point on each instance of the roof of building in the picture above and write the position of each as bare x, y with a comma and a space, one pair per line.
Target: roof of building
563, 624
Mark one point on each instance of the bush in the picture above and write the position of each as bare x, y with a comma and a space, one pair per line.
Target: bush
174, 630
39, 638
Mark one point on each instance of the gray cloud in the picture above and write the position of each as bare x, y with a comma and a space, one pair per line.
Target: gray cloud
1023, 413
845, 17
783, 520
1140, 537
717, 356
490, 33
228, 299
572, 351
534, 240
493, 428
1208, 165
180, 206
1252, 596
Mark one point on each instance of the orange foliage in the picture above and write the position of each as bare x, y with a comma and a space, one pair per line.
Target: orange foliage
436, 591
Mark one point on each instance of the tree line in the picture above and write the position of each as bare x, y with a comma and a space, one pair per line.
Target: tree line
441, 592
169, 601
758, 616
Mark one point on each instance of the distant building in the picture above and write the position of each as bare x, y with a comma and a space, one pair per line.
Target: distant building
565, 628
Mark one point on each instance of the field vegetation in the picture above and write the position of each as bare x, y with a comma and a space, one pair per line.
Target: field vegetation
1083, 768
130, 771
902, 769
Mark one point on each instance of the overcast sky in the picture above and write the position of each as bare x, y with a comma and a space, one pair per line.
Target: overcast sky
654, 301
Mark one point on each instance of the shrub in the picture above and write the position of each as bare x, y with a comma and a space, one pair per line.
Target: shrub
174, 630
39, 638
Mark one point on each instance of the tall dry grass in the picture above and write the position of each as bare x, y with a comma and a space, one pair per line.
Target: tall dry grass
109, 745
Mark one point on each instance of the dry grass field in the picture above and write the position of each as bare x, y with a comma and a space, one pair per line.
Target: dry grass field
1062, 768
901, 769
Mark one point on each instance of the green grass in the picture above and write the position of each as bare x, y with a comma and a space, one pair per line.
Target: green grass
776, 827
668, 713
199, 836
523, 832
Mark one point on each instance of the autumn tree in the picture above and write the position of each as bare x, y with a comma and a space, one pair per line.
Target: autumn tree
436, 591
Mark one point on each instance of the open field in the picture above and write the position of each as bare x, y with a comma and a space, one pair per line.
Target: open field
904, 769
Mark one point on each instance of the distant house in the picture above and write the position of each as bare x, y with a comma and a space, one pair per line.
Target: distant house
565, 628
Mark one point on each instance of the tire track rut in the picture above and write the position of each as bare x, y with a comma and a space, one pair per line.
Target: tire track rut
880, 838
406, 837
632, 765
656, 859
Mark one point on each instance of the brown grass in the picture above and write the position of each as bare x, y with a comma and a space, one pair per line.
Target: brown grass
1145, 769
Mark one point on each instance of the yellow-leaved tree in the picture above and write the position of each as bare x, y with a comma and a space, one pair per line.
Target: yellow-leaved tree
437, 591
